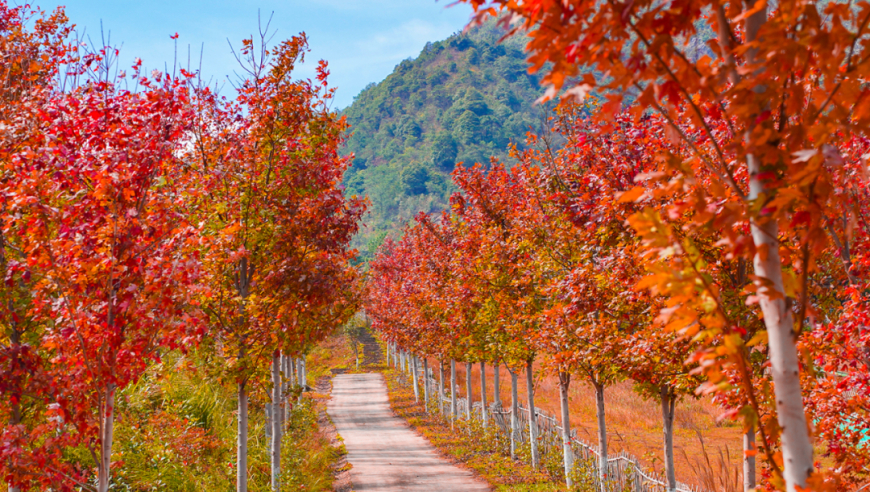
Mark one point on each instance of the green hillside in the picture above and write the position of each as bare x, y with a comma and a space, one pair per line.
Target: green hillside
463, 99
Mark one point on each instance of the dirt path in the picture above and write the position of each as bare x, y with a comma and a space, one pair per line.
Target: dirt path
386, 454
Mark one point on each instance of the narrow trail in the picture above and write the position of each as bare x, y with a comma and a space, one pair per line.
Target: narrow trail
372, 353
387, 456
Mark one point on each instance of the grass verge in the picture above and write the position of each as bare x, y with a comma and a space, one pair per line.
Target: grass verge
469, 444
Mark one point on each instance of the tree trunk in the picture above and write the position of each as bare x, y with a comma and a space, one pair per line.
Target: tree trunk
515, 420
567, 453
452, 391
285, 390
483, 412
275, 445
414, 370
749, 461
426, 384
242, 433
303, 373
468, 395
797, 449
268, 427
669, 401
107, 429
355, 351
533, 424
602, 433
496, 387
441, 387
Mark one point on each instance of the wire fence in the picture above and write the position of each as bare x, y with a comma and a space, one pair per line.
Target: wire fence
623, 473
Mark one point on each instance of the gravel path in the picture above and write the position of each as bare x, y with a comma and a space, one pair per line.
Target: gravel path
386, 454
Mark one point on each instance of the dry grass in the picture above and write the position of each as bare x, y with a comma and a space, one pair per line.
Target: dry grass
474, 449
634, 425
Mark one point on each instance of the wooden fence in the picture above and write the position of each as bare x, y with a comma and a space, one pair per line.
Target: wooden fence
624, 472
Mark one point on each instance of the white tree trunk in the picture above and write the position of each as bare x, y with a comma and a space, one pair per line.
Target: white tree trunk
303, 374
275, 444
452, 390
242, 445
285, 389
496, 387
749, 461
107, 428
567, 452
414, 370
515, 421
426, 384
533, 421
602, 434
441, 387
468, 394
797, 449
268, 427
668, 403
483, 412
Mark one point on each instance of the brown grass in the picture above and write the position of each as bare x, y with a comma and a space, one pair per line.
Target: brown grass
634, 425
473, 448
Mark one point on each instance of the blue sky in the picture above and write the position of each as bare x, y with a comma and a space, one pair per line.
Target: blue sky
363, 40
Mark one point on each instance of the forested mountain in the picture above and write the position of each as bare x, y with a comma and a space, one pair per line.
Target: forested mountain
463, 99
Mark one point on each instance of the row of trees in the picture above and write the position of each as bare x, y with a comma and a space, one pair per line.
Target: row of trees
143, 214
703, 229
553, 262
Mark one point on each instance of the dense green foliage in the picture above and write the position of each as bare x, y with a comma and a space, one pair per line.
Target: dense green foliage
463, 99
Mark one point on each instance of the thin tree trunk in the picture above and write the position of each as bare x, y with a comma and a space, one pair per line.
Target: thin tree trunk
515, 420
468, 395
303, 374
602, 433
242, 445
452, 391
749, 461
567, 453
797, 449
415, 369
483, 412
285, 389
426, 384
299, 371
107, 433
496, 390
533, 424
668, 403
268, 427
441, 387
275, 445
